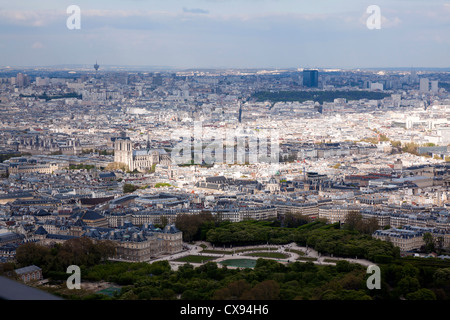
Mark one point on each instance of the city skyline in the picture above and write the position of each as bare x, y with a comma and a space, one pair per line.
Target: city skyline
235, 150
227, 34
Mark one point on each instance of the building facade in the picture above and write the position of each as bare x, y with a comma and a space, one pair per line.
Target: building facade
140, 160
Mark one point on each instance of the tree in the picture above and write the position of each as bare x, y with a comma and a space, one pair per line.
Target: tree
232, 291
407, 285
191, 224
295, 220
421, 294
370, 225
129, 188
164, 221
345, 295
411, 147
32, 254
353, 220
429, 242
106, 249
6, 268
441, 278
266, 290
117, 166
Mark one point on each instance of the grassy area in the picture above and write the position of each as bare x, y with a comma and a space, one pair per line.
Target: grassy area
257, 249
307, 259
276, 255
331, 260
300, 253
196, 259
159, 185
217, 251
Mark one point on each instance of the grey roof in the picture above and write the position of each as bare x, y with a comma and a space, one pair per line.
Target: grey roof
41, 230
42, 212
80, 223
171, 229
107, 175
60, 236
87, 215
11, 236
27, 269
91, 215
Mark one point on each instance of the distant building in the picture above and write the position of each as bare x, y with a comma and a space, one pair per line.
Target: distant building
22, 80
424, 85
140, 244
29, 273
311, 78
92, 219
336, 213
376, 86
434, 86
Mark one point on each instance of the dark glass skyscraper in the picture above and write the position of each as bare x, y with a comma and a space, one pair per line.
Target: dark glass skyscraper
311, 78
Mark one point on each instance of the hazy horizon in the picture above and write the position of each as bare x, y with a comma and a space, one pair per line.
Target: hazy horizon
224, 34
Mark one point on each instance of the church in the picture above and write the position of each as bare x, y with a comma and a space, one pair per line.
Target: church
140, 160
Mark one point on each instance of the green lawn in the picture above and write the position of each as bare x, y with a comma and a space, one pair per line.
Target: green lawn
307, 259
300, 253
331, 260
277, 255
196, 259
217, 251
257, 249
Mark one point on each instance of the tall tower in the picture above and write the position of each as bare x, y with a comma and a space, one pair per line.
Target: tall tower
240, 111
123, 152
148, 141
96, 66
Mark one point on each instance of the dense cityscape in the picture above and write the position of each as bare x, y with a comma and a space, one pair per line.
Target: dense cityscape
94, 156
225, 158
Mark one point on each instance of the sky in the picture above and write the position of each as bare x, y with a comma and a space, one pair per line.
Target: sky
227, 33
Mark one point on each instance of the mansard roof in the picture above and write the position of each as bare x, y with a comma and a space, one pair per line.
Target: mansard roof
41, 231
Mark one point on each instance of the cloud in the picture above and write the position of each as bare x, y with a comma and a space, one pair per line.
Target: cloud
386, 22
37, 45
29, 18
195, 10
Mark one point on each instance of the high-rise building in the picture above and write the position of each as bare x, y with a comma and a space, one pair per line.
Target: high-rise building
424, 85
21, 80
434, 86
157, 79
311, 78
413, 78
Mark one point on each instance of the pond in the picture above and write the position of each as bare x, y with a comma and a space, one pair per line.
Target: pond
239, 263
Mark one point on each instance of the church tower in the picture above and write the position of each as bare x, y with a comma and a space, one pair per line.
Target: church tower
123, 152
